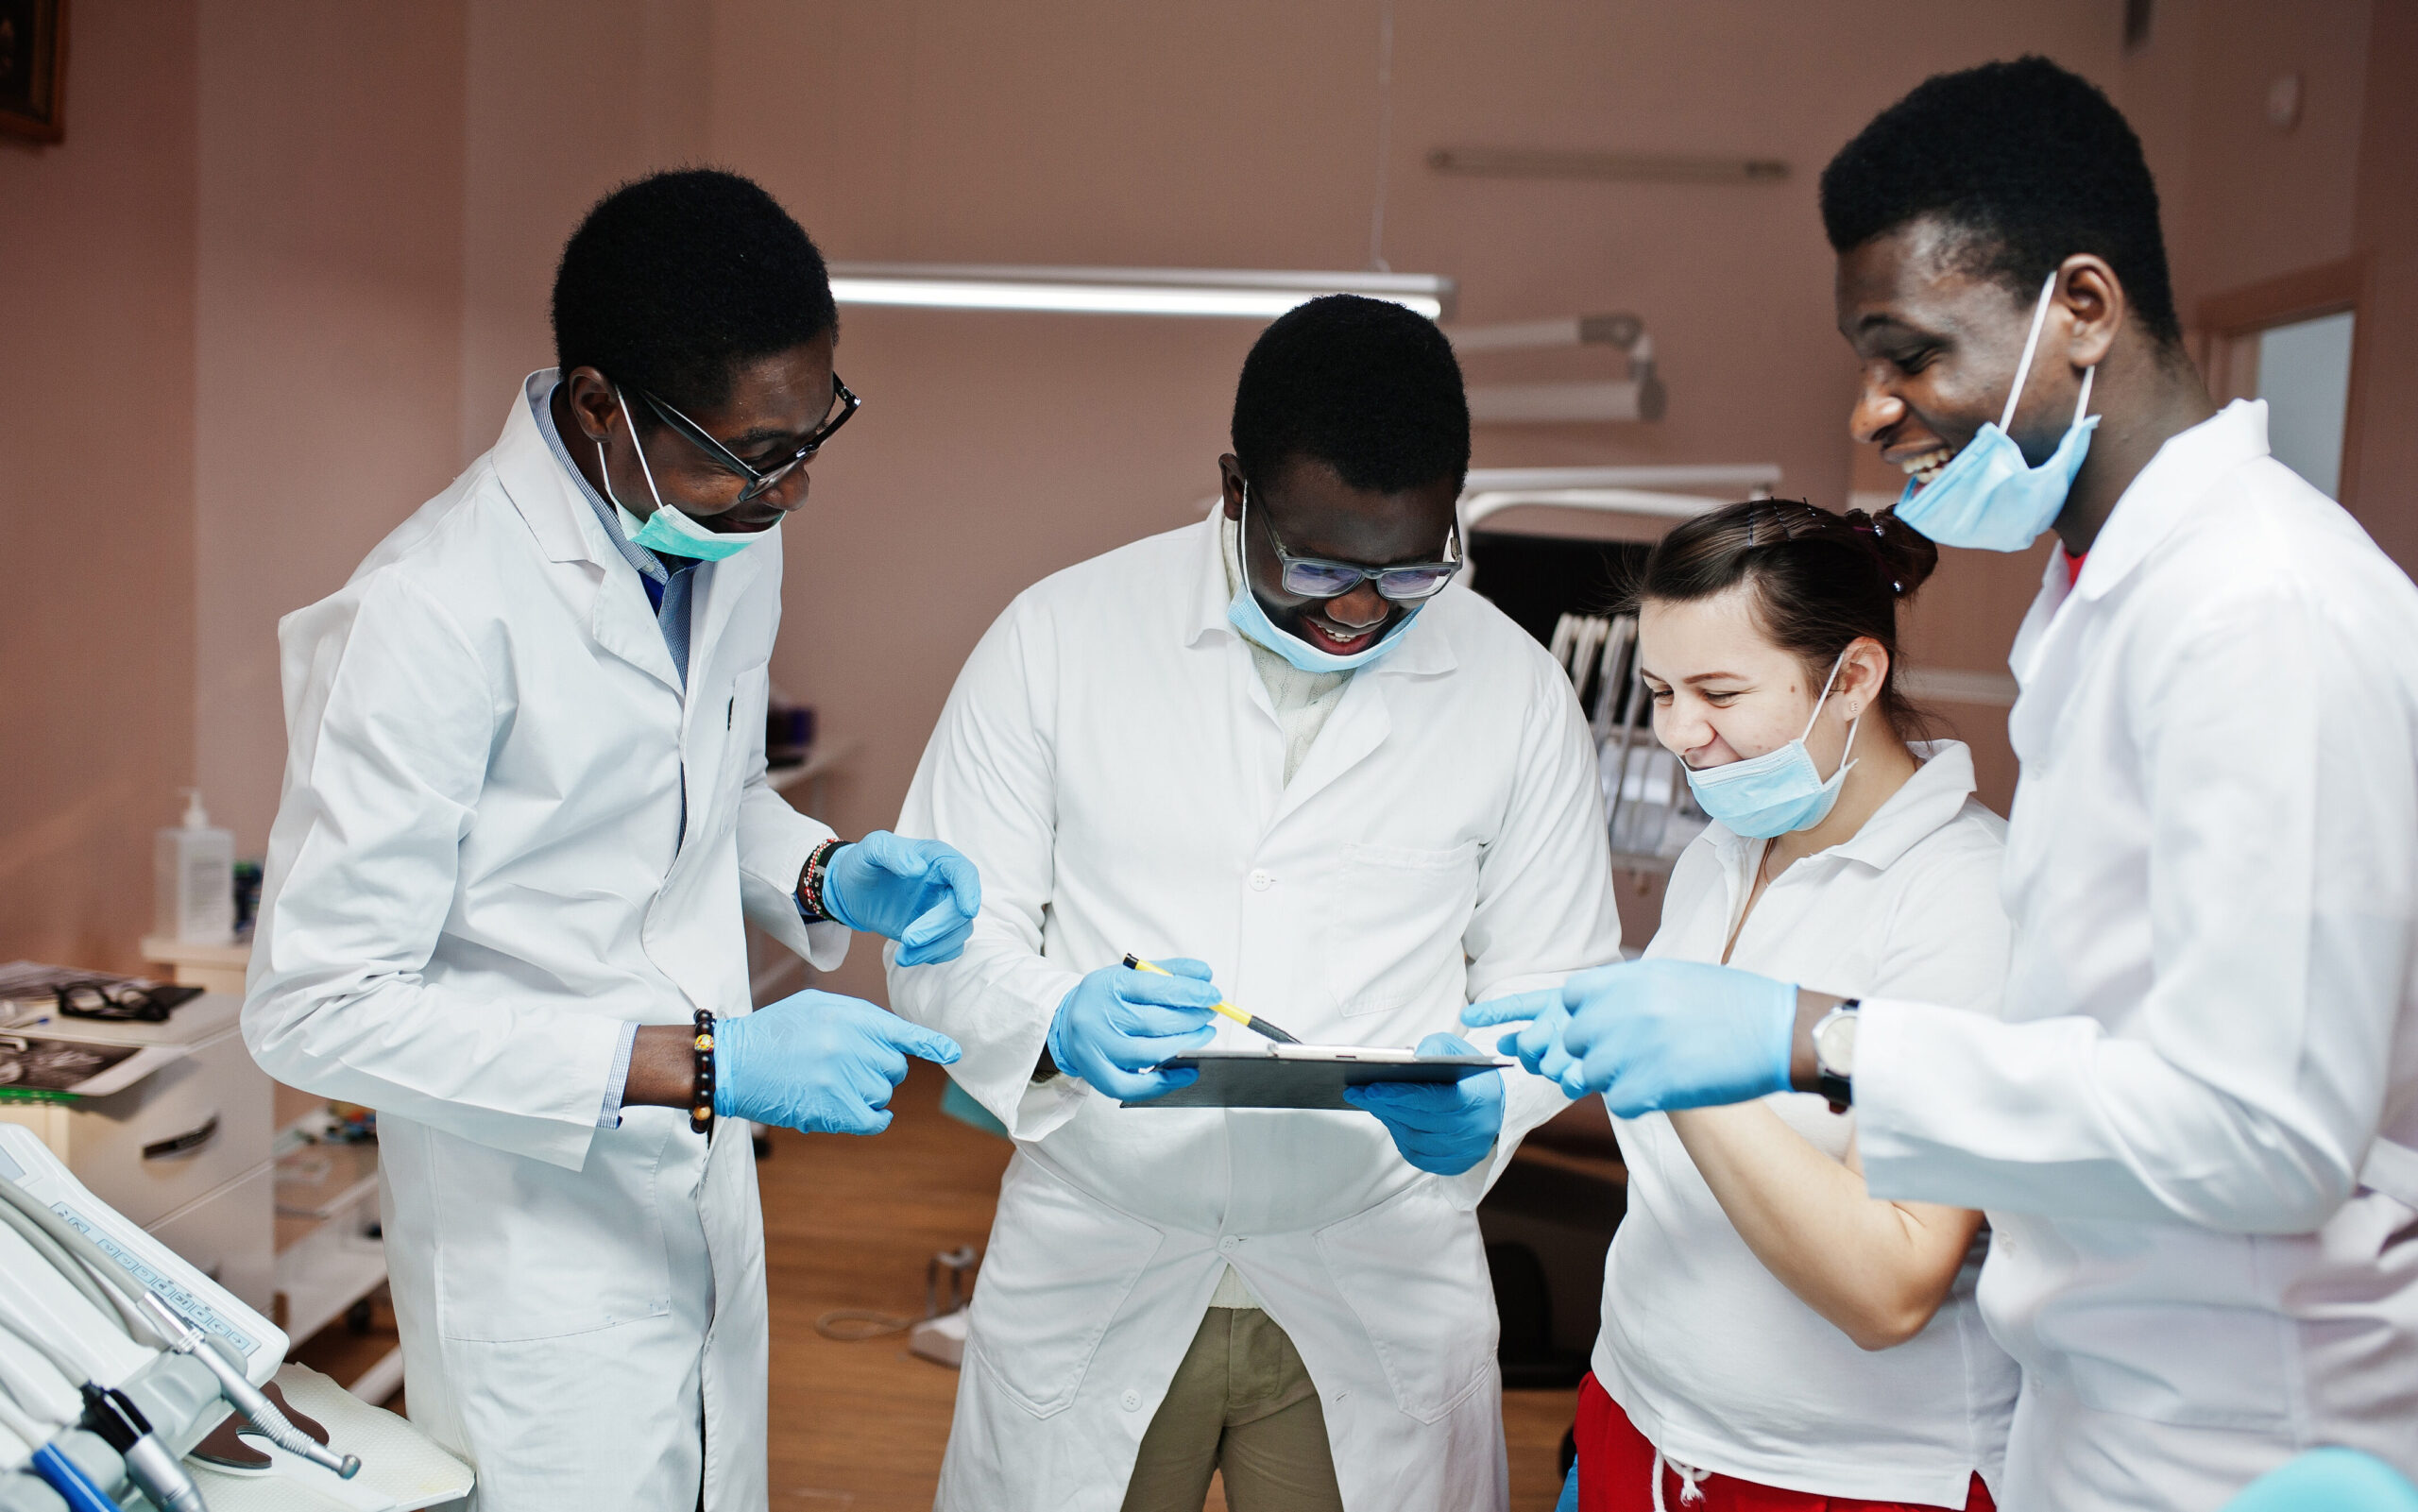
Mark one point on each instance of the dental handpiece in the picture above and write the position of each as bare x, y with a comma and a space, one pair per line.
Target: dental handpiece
239, 1391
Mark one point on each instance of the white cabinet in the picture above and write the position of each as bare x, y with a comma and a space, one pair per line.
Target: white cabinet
184, 1152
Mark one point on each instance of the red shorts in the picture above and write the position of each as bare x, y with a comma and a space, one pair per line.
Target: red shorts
1617, 1475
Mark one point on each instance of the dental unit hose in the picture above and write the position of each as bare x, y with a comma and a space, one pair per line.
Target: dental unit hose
181, 1337
52, 1467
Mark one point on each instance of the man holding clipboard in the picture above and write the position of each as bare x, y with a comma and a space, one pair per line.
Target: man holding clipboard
1285, 742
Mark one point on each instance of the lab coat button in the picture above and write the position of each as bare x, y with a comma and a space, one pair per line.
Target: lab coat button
1228, 1242
1261, 881
1132, 1401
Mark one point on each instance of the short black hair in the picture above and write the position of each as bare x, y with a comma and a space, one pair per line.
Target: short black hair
1366, 386
673, 279
2029, 163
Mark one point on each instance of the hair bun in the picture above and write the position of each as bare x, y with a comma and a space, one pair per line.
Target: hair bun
1907, 556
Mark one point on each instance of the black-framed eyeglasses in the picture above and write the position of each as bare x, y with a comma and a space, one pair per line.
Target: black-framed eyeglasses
760, 480
1314, 577
120, 1001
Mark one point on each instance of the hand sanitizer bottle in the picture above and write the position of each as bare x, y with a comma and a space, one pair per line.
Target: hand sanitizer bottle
194, 879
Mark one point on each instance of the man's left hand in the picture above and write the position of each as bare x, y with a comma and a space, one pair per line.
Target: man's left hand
921, 893
1441, 1126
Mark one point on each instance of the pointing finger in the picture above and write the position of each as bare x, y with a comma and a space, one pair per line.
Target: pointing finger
1512, 1009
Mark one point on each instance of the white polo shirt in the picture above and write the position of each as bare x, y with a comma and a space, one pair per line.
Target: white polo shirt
1714, 1360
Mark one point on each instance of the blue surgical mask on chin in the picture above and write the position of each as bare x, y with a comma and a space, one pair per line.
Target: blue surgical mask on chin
1245, 614
1778, 792
667, 530
1987, 496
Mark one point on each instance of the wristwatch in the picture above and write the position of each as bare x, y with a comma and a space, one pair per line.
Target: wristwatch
1835, 1055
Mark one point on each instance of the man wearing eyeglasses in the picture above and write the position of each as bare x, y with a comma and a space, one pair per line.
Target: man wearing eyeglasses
1285, 749
525, 815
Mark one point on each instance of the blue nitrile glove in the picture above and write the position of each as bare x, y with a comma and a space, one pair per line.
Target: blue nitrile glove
2328, 1480
1539, 1046
921, 893
1117, 1023
1655, 1035
1441, 1126
818, 1062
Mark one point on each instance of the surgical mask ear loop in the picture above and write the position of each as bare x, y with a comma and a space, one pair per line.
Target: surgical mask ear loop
2023, 368
1826, 684
635, 445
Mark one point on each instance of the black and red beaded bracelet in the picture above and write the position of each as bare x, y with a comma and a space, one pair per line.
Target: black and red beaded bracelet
701, 1096
810, 881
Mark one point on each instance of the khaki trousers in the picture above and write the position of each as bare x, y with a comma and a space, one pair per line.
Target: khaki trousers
1241, 1404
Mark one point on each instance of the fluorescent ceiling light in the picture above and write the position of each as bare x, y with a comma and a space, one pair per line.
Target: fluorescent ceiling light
1229, 293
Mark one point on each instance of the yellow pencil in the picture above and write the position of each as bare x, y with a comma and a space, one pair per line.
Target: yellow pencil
1251, 1022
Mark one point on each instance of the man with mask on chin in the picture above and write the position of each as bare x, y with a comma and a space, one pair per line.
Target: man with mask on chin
525, 818
2196, 1131
1284, 749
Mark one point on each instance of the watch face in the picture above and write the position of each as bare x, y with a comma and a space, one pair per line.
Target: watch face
1834, 1044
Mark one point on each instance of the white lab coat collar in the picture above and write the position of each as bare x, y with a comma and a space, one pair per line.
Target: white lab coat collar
1425, 647
568, 530
1932, 797
2156, 499
2151, 507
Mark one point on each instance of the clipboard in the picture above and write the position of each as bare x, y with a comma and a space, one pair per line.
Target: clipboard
1307, 1076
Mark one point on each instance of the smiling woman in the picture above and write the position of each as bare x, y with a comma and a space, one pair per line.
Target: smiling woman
1767, 1323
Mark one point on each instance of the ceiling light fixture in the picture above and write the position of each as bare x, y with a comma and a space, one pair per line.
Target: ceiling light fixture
1241, 294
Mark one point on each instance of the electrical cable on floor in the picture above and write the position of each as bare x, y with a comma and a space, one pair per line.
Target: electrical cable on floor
851, 1324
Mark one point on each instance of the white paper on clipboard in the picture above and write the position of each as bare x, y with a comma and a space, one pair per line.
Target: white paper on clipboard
1307, 1076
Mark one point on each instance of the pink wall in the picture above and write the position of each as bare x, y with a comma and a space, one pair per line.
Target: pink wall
331, 234
2387, 230
565, 99
96, 427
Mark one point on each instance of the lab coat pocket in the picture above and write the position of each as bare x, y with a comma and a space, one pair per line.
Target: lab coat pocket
528, 1251
1389, 925
1060, 1266
1413, 1271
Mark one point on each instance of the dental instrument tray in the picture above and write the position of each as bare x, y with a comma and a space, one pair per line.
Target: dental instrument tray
1307, 1076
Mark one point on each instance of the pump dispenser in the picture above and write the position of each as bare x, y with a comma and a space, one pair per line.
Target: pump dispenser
194, 879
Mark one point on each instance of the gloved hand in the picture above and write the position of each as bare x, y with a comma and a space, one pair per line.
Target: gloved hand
1442, 1126
818, 1062
1656, 1035
1539, 1046
921, 893
1117, 1023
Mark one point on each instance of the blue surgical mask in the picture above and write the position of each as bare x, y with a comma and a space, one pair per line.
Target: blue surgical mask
1780, 790
667, 530
1987, 496
1246, 615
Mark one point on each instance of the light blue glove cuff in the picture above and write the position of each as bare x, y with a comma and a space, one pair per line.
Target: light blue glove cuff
1784, 1037
730, 1035
1057, 1026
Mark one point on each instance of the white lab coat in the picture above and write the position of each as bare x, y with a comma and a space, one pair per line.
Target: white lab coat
2203, 1260
1112, 763
476, 878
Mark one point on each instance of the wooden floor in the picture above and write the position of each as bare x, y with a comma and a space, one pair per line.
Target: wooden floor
850, 1223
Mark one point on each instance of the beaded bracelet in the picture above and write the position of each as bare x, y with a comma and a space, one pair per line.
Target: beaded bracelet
809, 882
701, 1097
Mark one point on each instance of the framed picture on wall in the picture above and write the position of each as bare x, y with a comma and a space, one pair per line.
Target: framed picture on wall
33, 68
